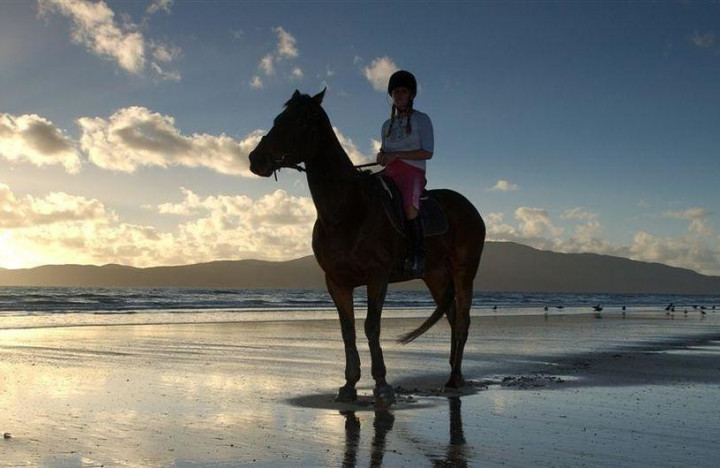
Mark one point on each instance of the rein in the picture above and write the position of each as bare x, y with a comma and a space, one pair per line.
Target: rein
282, 164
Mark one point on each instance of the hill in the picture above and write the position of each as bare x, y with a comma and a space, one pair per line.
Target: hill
505, 266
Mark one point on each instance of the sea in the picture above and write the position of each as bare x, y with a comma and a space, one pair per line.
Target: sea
62, 301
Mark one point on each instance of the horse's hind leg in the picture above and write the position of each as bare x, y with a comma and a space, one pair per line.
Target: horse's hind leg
439, 283
460, 323
376, 291
343, 299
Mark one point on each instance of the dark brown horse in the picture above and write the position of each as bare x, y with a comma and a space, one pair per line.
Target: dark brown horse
356, 245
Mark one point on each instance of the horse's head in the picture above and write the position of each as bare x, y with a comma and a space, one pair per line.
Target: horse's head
293, 137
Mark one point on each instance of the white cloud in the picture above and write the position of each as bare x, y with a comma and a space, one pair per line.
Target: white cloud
685, 251
164, 75
578, 213
286, 47
62, 228
697, 250
36, 140
503, 186
696, 216
94, 26
379, 71
57, 207
703, 41
256, 82
165, 53
536, 222
135, 136
351, 149
160, 5
267, 65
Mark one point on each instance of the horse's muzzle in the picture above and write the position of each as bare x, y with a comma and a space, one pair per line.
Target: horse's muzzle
261, 164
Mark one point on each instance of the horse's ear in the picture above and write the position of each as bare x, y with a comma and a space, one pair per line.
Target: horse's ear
295, 95
318, 98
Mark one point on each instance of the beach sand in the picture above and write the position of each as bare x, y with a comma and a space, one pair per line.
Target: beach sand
545, 391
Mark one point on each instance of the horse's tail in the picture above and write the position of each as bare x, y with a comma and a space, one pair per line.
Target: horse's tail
441, 309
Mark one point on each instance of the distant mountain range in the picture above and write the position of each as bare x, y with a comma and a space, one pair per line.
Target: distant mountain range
506, 266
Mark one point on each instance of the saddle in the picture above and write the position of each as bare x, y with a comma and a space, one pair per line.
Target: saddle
432, 215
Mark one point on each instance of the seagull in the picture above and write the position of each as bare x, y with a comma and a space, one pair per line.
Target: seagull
670, 306
560, 307
702, 311
494, 307
598, 308
545, 308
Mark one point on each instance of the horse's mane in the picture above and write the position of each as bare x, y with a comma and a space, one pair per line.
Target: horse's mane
299, 98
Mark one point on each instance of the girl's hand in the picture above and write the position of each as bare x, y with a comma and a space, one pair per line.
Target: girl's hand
385, 158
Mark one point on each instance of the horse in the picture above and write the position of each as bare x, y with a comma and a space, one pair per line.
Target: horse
356, 245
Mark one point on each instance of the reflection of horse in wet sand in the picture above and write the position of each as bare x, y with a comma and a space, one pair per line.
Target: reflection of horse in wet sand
455, 450
355, 244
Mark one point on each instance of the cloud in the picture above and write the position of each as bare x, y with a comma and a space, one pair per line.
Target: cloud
503, 186
703, 41
696, 216
160, 5
267, 65
36, 140
286, 47
578, 213
684, 251
135, 137
534, 227
535, 222
352, 151
379, 71
62, 228
94, 26
276, 226
256, 82
57, 207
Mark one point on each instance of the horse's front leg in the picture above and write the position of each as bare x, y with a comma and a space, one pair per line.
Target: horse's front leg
384, 393
343, 299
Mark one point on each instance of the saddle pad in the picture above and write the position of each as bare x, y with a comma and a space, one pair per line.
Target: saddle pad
432, 214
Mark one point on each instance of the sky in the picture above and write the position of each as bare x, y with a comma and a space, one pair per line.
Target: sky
582, 126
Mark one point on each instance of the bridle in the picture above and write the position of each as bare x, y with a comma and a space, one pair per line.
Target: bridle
285, 160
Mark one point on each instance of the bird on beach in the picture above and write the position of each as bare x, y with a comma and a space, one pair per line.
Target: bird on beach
670, 306
494, 308
598, 308
560, 307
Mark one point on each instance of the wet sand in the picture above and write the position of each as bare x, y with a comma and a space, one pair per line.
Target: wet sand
544, 391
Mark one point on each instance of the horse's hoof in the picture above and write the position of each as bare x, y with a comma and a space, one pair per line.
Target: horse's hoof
384, 395
455, 383
346, 394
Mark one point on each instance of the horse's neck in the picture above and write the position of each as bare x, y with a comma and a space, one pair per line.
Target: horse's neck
333, 181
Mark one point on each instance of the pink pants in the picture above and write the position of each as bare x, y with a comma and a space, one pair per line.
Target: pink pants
409, 179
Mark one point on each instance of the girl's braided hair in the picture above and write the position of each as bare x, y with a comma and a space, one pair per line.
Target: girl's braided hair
394, 114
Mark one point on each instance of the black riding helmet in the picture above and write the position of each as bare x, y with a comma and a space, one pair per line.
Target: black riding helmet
402, 79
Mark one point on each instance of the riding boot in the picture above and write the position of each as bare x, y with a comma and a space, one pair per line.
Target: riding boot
415, 265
